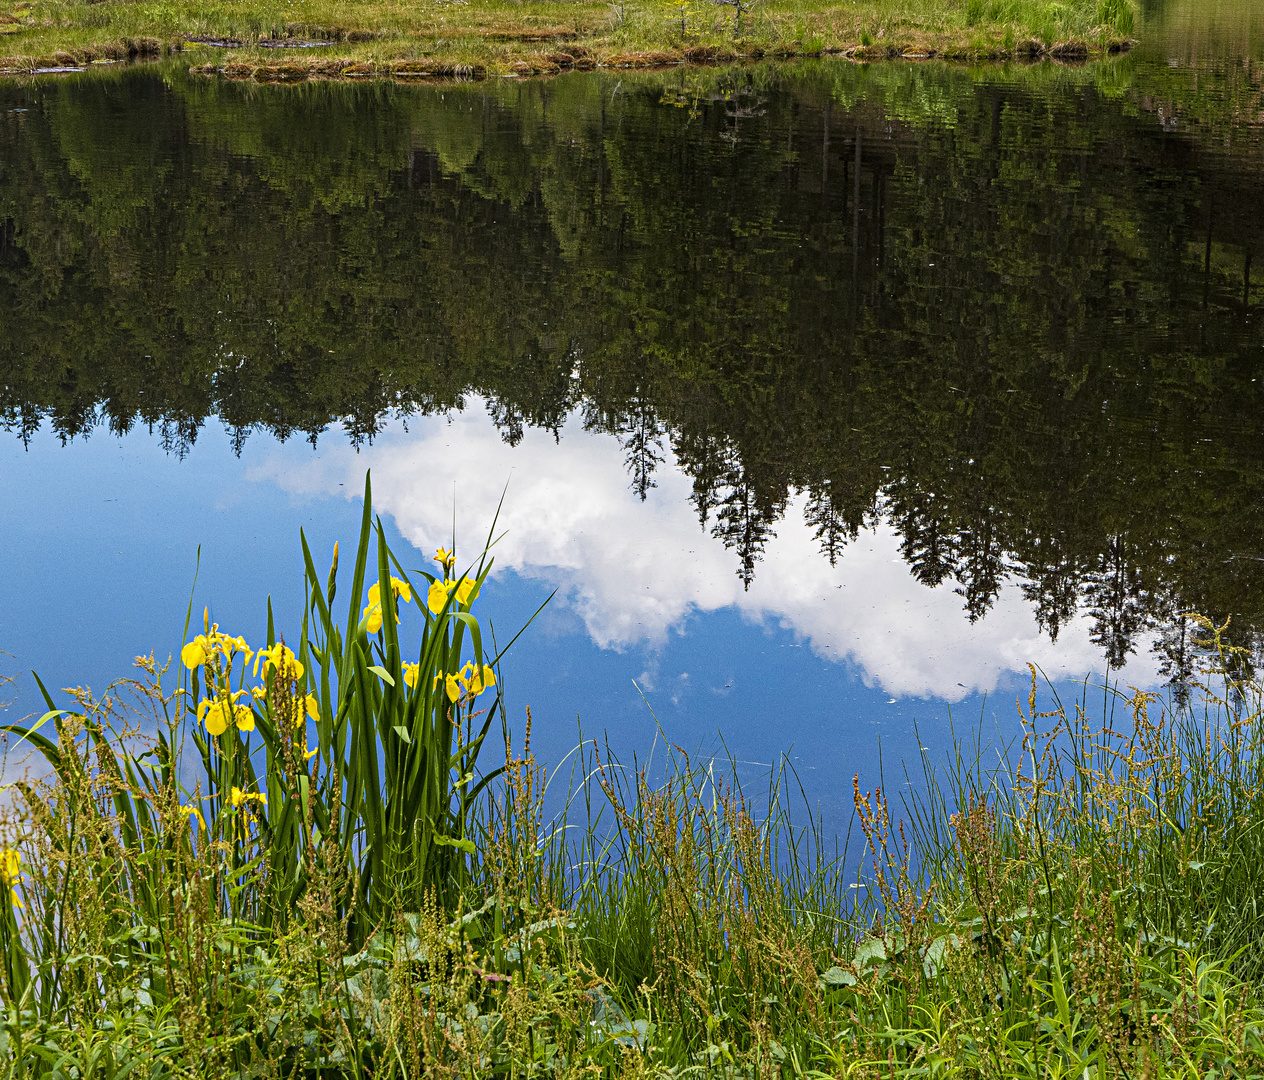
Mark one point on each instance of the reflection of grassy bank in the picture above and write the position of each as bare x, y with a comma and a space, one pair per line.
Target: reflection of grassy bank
497, 37
369, 907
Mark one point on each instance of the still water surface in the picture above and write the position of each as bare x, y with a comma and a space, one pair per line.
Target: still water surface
827, 397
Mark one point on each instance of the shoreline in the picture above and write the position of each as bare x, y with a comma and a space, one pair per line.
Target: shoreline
563, 58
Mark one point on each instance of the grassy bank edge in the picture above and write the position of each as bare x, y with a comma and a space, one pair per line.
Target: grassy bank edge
550, 50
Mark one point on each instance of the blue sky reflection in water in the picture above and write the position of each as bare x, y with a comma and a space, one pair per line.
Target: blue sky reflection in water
989, 337
821, 661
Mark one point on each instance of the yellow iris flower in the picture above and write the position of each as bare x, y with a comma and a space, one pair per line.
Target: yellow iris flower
240, 798
400, 588
452, 685
11, 872
466, 592
217, 714
411, 672
372, 614
445, 558
202, 648
480, 677
471, 681
278, 656
437, 595
312, 706
193, 814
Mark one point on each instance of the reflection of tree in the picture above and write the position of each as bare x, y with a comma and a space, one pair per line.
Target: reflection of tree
1052, 586
744, 526
641, 434
1115, 596
708, 462
929, 543
830, 527
1176, 653
508, 419
937, 330
980, 566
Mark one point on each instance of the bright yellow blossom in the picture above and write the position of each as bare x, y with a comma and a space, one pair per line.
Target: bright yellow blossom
470, 681
11, 872
452, 685
218, 713
445, 558
280, 655
193, 814
478, 677
439, 592
202, 648
372, 614
400, 588
437, 595
411, 672
240, 798
312, 706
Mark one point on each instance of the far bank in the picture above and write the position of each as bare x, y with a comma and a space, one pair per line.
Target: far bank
500, 38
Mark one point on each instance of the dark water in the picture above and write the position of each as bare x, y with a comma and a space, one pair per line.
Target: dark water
827, 395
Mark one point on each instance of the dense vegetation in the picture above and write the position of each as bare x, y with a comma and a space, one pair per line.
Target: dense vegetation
1007, 314
340, 891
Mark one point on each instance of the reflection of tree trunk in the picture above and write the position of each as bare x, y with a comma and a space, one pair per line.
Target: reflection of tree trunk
882, 221
1207, 259
601, 155
825, 156
1246, 281
846, 184
855, 232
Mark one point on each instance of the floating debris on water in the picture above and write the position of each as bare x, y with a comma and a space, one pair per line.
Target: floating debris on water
295, 44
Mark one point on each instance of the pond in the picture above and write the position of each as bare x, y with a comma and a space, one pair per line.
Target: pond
823, 397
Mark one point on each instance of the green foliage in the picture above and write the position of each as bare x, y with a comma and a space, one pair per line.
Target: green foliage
372, 827
1083, 906
1116, 14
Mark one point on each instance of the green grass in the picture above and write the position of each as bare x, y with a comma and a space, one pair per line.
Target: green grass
1087, 906
500, 37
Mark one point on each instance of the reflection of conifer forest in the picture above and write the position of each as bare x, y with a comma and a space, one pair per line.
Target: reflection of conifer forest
1011, 316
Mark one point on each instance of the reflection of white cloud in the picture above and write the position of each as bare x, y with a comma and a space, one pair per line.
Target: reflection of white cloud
635, 571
